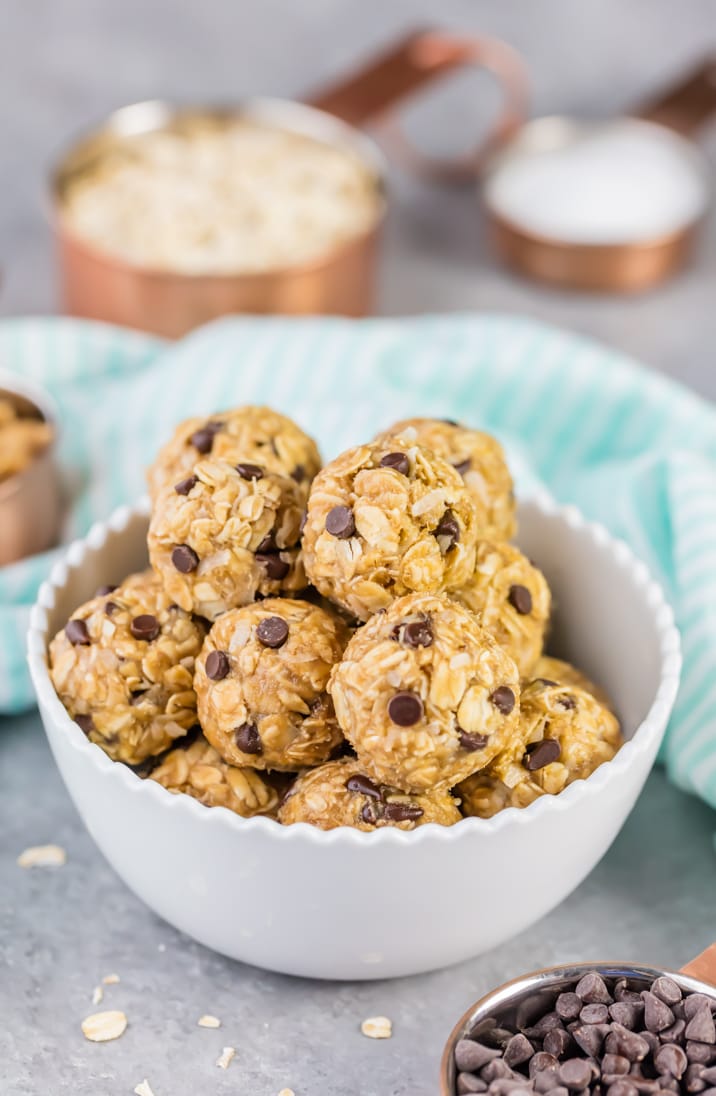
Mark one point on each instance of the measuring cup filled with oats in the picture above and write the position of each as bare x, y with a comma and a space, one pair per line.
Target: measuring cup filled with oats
167, 217
29, 486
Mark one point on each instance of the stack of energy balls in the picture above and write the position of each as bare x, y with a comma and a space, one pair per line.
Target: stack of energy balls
353, 645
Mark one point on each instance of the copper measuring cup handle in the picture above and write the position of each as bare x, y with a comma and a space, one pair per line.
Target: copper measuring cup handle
703, 967
373, 92
686, 106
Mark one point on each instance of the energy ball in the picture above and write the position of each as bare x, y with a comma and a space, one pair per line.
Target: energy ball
555, 671
123, 667
566, 735
425, 695
261, 684
226, 534
479, 459
340, 794
512, 599
200, 772
385, 520
255, 435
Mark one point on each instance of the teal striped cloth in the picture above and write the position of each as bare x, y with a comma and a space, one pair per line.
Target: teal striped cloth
630, 448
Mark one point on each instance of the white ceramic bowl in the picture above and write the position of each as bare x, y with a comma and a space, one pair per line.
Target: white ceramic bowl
345, 904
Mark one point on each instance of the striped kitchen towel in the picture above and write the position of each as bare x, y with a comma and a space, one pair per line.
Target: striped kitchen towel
630, 448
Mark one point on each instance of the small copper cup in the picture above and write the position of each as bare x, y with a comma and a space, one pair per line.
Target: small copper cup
698, 976
101, 286
30, 500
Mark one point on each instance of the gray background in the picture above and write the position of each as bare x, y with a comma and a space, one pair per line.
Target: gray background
63, 63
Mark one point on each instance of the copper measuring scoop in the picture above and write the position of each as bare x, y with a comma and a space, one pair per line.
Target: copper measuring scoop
104, 286
543, 987
662, 130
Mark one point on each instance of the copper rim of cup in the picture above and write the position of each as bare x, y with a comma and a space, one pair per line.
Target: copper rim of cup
547, 979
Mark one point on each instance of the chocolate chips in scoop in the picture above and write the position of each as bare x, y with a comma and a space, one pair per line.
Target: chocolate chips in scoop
601, 1036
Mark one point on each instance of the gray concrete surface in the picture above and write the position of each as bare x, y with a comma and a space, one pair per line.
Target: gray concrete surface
66, 62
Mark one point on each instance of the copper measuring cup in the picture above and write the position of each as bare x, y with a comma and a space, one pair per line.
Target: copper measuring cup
626, 265
698, 976
102, 286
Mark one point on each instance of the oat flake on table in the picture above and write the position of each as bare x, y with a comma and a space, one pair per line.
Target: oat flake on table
225, 1058
208, 1021
42, 856
143, 1089
377, 1027
101, 1027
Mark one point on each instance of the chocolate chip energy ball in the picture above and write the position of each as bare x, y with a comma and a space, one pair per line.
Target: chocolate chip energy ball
556, 672
226, 534
512, 599
479, 459
566, 735
123, 667
384, 520
256, 435
261, 684
425, 695
340, 794
200, 772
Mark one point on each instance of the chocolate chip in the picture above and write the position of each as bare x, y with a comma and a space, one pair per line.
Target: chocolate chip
613, 1064
520, 599
369, 813
701, 1026
673, 1034
299, 473
448, 531
503, 699
700, 1052
627, 1013
539, 754
671, 1059
203, 439
397, 461
472, 742
657, 1015
623, 1088
217, 665
666, 990
85, 723
463, 466
708, 1074
542, 1062
145, 626
567, 701
546, 681
364, 786
590, 1037
695, 1078
575, 1074
518, 1050
110, 607
250, 471
693, 1003
546, 1023
471, 1057
185, 559
627, 1043
568, 1006
76, 632
496, 1070
418, 633
302, 523
449, 422
465, 1083
248, 739
405, 709
268, 544
104, 590
275, 567
184, 486
594, 1014
272, 631
402, 812
340, 523
557, 1042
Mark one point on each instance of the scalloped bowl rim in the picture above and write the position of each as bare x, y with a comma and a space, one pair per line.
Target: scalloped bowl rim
640, 742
